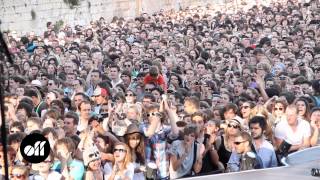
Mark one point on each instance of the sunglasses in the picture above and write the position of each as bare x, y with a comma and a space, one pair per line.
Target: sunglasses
278, 109
129, 95
14, 132
153, 114
17, 176
120, 150
93, 155
148, 90
239, 142
233, 126
244, 107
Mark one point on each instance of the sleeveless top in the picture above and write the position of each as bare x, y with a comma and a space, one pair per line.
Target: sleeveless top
223, 153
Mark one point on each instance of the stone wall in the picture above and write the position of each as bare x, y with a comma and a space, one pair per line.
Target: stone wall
32, 15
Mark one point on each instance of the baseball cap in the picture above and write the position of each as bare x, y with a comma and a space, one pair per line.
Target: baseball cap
36, 83
100, 91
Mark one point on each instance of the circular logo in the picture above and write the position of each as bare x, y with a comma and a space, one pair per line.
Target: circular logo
35, 148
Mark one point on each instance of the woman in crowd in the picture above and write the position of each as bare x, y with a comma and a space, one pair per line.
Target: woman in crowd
303, 109
92, 162
135, 140
122, 166
227, 141
19, 172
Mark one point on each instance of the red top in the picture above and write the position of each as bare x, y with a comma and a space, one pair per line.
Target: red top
158, 81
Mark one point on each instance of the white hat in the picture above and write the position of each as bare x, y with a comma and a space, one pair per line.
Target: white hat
90, 154
36, 83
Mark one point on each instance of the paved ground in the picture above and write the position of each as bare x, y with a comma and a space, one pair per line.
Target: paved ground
299, 168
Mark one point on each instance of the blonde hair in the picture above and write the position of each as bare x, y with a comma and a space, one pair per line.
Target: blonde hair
128, 157
137, 110
25, 170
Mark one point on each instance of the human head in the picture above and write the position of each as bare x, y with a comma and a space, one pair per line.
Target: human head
122, 153
243, 142
292, 115
229, 111
257, 126
64, 147
19, 172
191, 104
85, 110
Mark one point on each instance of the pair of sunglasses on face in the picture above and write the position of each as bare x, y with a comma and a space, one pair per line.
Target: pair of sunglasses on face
154, 114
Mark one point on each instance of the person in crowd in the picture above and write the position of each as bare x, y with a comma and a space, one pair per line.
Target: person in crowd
20, 172
243, 158
135, 140
122, 166
92, 163
157, 134
185, 155
69, 167
315, 126
100, 96
211, 162
263, 148
284, 133
44, 169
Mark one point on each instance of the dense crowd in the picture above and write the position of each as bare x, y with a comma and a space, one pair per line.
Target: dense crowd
166, 95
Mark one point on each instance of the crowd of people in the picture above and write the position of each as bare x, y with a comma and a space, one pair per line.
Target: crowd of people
166, 95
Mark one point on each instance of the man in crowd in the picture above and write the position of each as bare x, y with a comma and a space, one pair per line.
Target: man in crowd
264, 149
243, 158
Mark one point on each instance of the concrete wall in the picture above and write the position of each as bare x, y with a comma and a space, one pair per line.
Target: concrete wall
16, 14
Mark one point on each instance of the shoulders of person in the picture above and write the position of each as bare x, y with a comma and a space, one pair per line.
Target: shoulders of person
266, 144
176, 145
107, 168
53, 175
303, 122
282, 124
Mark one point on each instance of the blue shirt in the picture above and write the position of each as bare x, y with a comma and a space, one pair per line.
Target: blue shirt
267, 154
76, 169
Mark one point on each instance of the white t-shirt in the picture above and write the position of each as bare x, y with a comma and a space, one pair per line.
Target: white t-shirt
53, 175
129, 172
284, 131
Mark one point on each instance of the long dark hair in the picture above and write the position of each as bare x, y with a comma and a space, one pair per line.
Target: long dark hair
140, 152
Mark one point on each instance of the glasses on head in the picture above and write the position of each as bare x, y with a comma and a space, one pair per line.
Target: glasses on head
120, 150
278, 109
233, 126
19, 176
239, 142
153, 114
129, 95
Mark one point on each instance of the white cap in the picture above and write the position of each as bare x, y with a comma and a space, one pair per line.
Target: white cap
36, 83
